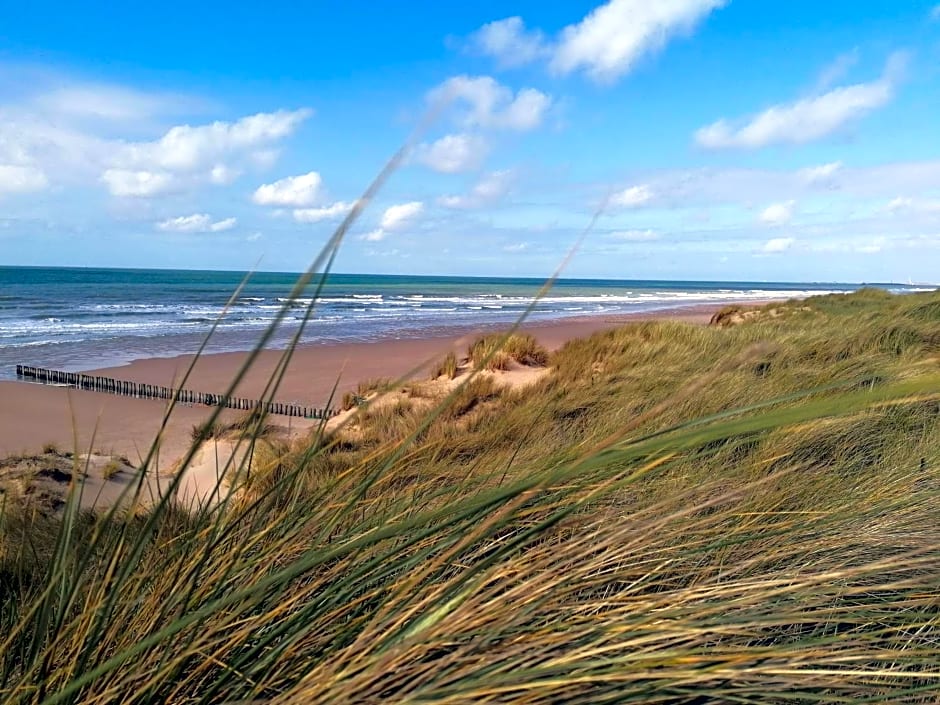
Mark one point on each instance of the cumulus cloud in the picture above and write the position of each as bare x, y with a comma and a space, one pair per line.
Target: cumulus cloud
606, 44
489, 104
632, 197
517, 247
137, 184
487, 190
188, 148
72, 132
21, 179
330, 212
223, 175
777, 245
395, 218
196, 223
398, 216
778, 214
297, 191
612, 38
39, 142
807, 119
223, 225
453, 154
509, 42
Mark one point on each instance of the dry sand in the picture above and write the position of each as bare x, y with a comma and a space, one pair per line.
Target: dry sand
82, 421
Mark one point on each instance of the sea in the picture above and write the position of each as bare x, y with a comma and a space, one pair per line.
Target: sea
82, 318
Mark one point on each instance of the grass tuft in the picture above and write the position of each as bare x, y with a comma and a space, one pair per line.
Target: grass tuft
446, 367
111, 469
498, 352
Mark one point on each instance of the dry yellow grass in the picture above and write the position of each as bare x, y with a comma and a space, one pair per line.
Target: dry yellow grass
676, 514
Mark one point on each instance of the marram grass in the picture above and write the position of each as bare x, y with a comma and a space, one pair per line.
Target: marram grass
675, 514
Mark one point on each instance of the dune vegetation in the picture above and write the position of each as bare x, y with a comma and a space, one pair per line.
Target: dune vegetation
745, 512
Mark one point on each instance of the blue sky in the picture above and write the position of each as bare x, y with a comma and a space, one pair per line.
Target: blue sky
718, 139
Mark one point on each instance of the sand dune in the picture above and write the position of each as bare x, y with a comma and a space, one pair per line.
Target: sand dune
82, 421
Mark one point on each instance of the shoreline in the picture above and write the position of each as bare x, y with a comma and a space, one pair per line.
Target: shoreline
693, 313
32, 415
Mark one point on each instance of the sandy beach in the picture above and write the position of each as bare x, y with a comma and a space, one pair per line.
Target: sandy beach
32, 415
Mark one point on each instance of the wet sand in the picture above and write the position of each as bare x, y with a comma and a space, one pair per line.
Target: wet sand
32, 415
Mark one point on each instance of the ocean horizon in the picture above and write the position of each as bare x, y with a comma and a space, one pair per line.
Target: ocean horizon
73, 318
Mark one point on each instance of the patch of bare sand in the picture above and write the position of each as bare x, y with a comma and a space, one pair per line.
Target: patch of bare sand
44, 480
736, 315
429, 392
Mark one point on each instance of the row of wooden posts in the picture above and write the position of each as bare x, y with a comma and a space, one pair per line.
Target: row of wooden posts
141, 390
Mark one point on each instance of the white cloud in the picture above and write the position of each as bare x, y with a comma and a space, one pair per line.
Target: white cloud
632, 197
900, 203
837, 70
223, 225
395, 218
316, 215
612, 38
298, 191
489, 189
778, 214
904, 204
935, 13
264, 158
187, 148
736, 187
21, 179
807, 119
635, 235
606, 44
453, 154
398, 216
777, 245
491, 104
196, 223
33, 140
223, 175
517, 247
526, 111
137, 184
456, 202
509, 42
106, 102
74, 132
822, 174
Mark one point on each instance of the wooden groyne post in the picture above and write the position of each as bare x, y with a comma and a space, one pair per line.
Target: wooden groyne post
141, 390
